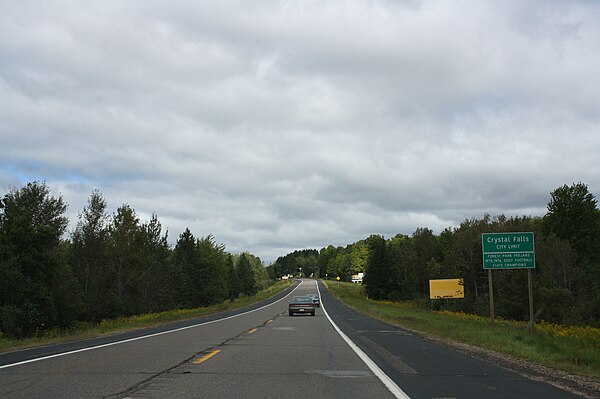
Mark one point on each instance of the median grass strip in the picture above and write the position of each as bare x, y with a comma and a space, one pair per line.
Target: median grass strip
123, 324
573, 349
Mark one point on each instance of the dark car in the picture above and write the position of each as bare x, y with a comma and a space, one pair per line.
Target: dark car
301, 304
316, 299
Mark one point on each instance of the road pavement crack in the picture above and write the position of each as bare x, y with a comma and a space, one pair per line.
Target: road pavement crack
144, 384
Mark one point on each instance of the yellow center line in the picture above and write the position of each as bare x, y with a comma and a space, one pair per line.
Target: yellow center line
253, 330
270, 321
207, 356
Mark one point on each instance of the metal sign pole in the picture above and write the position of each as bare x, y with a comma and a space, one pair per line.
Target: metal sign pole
491, 296
531, 318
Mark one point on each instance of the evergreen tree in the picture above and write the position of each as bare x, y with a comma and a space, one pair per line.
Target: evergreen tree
185, 266
125, 261
426, 252
157, 284
32, 262
90, 258
402, 274
377, 278
246, 276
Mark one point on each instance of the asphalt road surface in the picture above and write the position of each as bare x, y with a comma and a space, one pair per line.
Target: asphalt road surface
261, 352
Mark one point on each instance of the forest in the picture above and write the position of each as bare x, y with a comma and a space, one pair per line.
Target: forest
113, 265
110, 265
566, 278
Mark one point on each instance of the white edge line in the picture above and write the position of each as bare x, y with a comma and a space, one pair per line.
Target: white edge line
383, 377
142, 337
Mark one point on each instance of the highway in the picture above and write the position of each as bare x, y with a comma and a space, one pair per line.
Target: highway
261, 352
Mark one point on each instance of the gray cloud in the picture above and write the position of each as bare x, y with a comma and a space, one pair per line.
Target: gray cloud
281, 125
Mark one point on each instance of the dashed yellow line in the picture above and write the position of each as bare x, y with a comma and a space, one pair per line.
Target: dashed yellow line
207, 356
269, 321
253, 330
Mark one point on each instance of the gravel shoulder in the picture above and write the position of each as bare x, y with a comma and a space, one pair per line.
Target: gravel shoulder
577, 384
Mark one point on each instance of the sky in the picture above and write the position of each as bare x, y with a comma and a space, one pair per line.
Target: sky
284, 125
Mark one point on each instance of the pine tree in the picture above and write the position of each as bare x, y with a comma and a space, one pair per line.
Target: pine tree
377, 276
246, 276
125, 260
157, 284
185, 264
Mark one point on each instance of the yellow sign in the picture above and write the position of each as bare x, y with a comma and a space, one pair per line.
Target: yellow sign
338, 278
447, 288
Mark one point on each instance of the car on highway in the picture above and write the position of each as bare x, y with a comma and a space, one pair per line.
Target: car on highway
301, 304
316, 299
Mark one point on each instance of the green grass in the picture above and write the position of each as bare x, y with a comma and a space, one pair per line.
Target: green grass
572, 349
123, 324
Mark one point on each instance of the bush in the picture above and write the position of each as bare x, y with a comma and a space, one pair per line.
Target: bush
557, 306
11, 320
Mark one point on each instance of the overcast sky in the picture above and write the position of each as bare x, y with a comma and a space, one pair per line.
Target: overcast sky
283, 125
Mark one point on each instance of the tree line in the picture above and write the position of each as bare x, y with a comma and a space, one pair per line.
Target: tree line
110, 265
566, 277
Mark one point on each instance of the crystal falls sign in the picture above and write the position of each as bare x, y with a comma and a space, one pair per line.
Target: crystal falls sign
502, 251
508, 251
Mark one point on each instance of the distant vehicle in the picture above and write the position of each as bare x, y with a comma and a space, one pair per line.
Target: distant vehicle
358, 278
301, 304
316, 299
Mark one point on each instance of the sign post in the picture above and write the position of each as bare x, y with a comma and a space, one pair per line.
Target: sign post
491, 287
509, 251
531, 317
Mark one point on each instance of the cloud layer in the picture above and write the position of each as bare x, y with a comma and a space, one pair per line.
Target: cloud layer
284, 125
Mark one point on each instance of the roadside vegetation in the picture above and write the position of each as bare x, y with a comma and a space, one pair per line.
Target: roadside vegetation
84, 330
109, 266
566, 277
573, 349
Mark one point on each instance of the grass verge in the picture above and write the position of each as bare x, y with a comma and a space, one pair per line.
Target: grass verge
570, 349
123, 324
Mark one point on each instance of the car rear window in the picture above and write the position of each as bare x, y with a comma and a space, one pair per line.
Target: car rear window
302, 299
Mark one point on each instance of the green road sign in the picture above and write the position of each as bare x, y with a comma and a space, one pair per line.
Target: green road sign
508, 250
